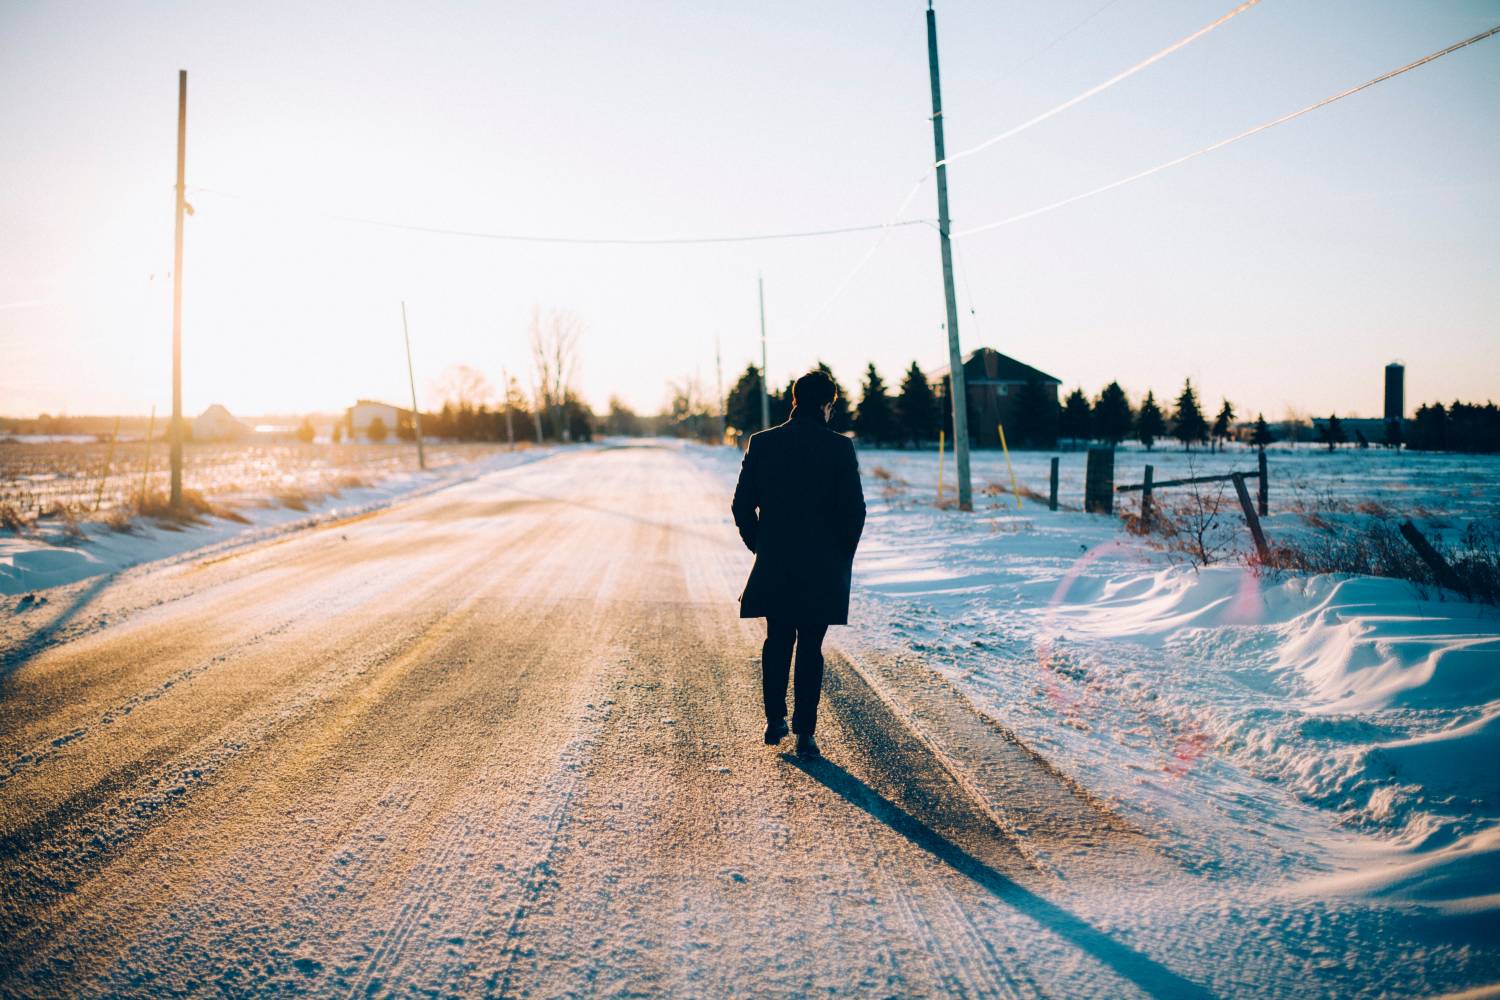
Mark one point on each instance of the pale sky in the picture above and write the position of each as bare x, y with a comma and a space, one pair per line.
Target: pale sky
1285, 270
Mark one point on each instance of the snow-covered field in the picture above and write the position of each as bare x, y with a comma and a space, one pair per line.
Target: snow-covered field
1325, 734
270, 490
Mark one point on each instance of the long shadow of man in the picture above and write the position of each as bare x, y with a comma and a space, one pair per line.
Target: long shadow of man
1146, 973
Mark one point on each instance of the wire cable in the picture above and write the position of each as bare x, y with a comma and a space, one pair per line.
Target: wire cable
582, 240
1100, 88
1232, 139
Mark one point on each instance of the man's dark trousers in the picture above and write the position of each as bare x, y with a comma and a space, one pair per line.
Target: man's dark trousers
776, 663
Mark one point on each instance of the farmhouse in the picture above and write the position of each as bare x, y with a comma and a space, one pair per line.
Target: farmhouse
1002, 390
359, 417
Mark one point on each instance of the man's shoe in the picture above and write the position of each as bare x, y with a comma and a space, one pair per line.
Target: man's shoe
807, 746
775, 731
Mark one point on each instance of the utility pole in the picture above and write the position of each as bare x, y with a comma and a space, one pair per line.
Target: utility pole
957, 394
176, 435
416, 414
510, 424
765, 376
719, 374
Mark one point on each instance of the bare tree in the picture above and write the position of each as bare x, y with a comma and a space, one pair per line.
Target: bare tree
554, 354
464, 387
691, 412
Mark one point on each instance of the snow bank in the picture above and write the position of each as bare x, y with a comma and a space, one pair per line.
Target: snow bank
48, 558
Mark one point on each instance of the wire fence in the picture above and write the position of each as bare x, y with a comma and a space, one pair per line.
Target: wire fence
38, 478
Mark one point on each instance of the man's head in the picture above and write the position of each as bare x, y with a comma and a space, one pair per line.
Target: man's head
814, 392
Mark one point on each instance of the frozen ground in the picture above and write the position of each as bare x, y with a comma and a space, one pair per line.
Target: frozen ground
271, 490
504, 739
1320, 735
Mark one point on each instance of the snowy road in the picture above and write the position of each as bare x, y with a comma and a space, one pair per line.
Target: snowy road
505, 740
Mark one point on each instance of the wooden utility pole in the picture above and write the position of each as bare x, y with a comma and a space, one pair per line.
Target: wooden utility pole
416, 414
510, 424
765, 376
176, 434
957, 394
719, 376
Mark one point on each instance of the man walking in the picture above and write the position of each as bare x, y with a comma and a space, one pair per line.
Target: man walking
800, 509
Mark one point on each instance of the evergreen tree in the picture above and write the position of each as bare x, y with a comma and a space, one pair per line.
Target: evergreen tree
916, 407
376, 431
1188, 425
1149, 423
1077, 418
874, 421
742, 409
781, 403
1037, 415
1223, 422
305, 431
1261, 435
1332, 433
839, 419
1112, 416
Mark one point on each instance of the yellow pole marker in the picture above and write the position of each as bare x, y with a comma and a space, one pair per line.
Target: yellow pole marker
940, 467
108, 464
1014, 490
146, 471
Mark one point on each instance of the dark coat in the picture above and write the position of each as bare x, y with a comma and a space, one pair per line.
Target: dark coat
800, 509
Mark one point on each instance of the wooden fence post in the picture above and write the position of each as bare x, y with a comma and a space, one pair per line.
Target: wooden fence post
108, 464
146, 468
1263, 484
1441, 571
1146, 499
1052, 486
1099, 481
1250, 517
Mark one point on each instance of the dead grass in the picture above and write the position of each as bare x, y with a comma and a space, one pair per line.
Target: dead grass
1195, 523
11, 519
1374, 546
194, 509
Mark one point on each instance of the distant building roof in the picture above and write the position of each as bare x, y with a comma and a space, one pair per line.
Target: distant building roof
985, 365
217, 423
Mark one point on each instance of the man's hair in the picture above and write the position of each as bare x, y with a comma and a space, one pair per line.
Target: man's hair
815, 390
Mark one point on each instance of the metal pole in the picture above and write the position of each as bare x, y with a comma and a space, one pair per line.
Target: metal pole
176, 435
957, 394
765, 376
416, 414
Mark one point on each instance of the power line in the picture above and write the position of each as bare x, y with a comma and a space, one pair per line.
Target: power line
580, 240
1065, 35
1232, 139
1100, 88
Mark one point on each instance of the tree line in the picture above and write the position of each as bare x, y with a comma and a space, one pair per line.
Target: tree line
1467, 427
915, 413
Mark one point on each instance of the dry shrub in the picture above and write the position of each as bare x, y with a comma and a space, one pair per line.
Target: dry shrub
882, 473
119, 521
66, 515
12, 520
1196, 522
349, 481
195, 507
1375, 547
